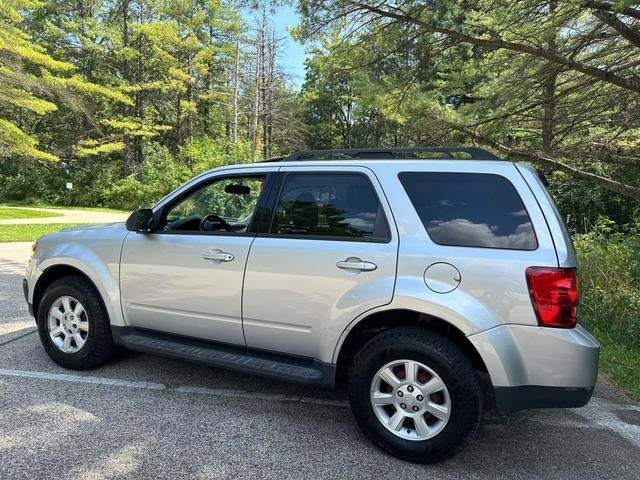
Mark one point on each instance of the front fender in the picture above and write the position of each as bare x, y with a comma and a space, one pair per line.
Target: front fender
102, 269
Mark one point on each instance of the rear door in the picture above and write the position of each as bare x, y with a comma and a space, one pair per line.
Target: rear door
329, 255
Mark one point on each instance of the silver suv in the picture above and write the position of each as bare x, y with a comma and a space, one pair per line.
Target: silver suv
410, 281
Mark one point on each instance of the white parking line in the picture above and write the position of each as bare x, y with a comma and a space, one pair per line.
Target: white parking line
598, 413
67, 377
116, 382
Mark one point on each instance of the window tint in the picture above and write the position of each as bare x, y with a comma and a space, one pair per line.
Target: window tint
470, 210
223, 205
332, 205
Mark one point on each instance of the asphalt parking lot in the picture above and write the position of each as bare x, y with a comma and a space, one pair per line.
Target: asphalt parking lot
148, 417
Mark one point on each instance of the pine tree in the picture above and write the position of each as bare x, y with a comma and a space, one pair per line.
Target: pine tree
32, 83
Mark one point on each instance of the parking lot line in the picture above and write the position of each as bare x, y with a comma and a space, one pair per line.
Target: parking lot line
117, 382
67, 377
598, 414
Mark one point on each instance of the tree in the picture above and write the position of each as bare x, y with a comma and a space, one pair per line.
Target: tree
31, 82
551, 82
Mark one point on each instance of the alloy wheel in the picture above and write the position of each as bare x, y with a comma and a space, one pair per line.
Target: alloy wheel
68, 324
410, 400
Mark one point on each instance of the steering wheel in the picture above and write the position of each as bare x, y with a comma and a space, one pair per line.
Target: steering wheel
216, 221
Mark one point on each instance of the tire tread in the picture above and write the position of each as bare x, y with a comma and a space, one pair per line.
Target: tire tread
100, 347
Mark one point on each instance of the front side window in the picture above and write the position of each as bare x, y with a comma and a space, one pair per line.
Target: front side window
470, 209
329, 205
225, 205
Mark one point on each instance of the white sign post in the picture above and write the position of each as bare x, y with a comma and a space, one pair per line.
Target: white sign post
69, 188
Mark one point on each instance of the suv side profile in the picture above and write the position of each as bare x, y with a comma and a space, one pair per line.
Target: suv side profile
408, 280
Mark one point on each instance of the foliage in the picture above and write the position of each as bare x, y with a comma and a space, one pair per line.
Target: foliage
551, 82
149, 94
116, 89
27, 74
609, 259
582, 205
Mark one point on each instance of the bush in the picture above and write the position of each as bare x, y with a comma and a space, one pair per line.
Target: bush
581, 203
31, 183
609, 275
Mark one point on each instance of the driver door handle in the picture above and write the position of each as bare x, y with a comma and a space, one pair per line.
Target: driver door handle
217, 255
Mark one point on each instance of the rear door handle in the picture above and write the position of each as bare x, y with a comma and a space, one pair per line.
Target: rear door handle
217, 255
356, 264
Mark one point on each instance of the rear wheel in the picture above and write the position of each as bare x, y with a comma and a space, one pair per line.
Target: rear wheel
73, 324
415, 394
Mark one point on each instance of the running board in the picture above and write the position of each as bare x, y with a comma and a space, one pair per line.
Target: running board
238, 358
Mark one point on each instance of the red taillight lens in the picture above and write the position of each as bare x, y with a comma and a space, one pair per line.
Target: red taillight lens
554, 294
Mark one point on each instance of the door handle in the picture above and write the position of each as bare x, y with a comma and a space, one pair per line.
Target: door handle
218, 255
356, 264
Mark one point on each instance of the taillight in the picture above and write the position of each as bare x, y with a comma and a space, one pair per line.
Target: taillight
554, 294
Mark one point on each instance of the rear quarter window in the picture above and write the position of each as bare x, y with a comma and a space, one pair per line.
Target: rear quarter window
470, 209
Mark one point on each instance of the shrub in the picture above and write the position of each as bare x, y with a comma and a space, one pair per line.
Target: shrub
610, 284
609, 275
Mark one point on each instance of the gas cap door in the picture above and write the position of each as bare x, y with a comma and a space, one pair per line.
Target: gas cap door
442, 277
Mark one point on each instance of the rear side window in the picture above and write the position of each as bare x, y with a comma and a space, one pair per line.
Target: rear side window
470, 209
329, 205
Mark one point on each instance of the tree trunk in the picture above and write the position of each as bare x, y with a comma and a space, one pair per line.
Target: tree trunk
234, 100
257, 90
126, 75
549, 94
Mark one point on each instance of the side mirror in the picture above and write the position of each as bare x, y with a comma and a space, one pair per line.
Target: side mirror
140, 221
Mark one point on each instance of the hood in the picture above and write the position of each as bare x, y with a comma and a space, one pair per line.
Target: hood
97, 226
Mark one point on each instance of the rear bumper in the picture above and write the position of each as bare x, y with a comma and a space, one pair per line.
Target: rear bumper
539, 367
512, 399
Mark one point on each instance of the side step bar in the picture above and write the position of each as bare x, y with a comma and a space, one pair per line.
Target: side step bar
242, 359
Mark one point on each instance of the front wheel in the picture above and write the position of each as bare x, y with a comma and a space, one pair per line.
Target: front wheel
415, 394
73, 324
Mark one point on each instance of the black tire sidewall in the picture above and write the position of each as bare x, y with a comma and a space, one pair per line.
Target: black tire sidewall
84, 358
461, 383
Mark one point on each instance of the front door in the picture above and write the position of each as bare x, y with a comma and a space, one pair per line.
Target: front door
329, 256
185, 277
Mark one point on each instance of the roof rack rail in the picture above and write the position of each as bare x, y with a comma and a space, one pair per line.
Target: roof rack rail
385, 153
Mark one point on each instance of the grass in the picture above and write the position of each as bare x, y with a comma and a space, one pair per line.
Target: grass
62, 207
620, 361
610, 303
7, 213
29, 232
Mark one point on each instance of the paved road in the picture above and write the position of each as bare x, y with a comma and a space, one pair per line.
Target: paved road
68, 216
147, 417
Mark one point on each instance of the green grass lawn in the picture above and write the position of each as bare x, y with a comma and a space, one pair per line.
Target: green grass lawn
58, 207
29, 232
7, 213
621, 361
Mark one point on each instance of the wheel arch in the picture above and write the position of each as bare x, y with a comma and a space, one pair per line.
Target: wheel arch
377, 322
58, 271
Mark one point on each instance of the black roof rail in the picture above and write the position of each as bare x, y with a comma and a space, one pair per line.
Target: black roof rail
385, 153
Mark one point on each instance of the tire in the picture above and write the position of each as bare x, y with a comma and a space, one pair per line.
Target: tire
98, 347
414, 349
